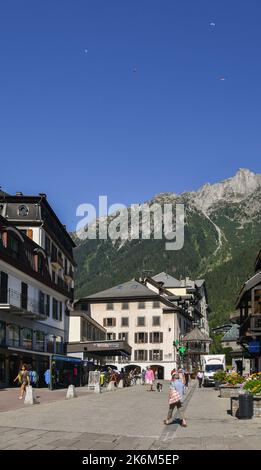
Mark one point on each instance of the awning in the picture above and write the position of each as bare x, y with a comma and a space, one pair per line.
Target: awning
101, 348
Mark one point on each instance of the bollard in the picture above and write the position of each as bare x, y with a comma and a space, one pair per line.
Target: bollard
120, 385
97, 388
30, 396
71, 393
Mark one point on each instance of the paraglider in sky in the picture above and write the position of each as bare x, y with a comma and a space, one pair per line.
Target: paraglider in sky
222, 79
134, 70
86, 51
212, 24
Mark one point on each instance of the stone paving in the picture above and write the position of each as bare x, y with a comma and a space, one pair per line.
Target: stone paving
127, 419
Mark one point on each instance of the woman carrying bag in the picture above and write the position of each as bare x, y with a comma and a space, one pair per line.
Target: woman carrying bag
176, 394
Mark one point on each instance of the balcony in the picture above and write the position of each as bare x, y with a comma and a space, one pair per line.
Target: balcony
251, 326
68, 275
22, 306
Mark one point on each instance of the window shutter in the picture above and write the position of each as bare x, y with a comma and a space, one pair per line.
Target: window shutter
151, 338
104, 322
146, 338
29, 233
136, 338
161, 355
161, 337
114, 322
150, 355
145, 355
135, 355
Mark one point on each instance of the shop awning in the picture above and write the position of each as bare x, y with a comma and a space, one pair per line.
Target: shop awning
101, 348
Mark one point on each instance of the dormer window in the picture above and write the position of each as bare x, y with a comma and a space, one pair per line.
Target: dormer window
23, 210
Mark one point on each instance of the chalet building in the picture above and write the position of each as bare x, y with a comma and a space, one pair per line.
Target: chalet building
36, 284
149, 315
249, 317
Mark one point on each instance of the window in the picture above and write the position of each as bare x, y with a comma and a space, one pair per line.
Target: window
109, 306
3, 288
140, 355
111, 336
156, 321
156, 355
141, 337
125, 321
39, 341
24, 295
141, 321
27, 338
60, 311
55, 309
156, 304
125, 306
59, 344
40, 264
47, 306
41, 303
124, 336
156, 337
14, 335
47, 245
50, 343
109, 322
141, 305
13, 246
2, 333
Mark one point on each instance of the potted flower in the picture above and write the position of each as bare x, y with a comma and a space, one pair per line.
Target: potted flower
253, 384
219, 378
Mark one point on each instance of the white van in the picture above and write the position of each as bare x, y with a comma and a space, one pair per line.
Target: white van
211, 364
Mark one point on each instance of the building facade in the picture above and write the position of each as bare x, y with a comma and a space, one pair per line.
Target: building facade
36, 285
149, 314
249, 317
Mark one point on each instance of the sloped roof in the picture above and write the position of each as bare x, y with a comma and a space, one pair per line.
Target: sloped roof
232, 334
196, 335
126, 290
199, 282
167, 280
249, 284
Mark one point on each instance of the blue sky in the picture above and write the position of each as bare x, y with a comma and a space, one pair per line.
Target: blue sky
142, 111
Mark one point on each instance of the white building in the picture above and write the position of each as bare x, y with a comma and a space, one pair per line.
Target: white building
150, 315
36, 284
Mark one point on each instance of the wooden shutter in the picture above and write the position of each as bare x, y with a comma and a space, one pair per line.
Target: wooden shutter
146, 338
29, 233
136, 338
161, 355
150, 355
114, 322
161, 337
135, 355
145, 355
151, 338
104, 322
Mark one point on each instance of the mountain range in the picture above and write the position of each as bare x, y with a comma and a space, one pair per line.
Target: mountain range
222, 240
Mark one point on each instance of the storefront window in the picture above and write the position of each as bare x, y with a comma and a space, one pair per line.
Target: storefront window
27, 338
14, 336
39, 341
2, 333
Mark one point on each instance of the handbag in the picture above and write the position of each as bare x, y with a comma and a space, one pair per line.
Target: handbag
174, 396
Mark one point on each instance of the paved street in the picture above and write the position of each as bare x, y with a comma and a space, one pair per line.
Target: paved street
126, 419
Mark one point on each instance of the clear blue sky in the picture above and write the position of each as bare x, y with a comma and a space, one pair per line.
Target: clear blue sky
143, 111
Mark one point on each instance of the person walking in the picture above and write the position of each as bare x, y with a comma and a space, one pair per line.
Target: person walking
200, 378
149, 378
23, 379
176, 395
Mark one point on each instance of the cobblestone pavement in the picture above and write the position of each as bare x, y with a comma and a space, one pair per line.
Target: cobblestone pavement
127, 419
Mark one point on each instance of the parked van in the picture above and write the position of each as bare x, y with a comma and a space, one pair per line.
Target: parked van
211, 364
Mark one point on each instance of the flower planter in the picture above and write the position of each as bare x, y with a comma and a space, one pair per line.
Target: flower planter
257, 406
228, 391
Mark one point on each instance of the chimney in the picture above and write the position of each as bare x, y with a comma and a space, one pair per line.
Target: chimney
19, 193
43, 195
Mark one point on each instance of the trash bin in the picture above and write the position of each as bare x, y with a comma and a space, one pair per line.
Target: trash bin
246, 406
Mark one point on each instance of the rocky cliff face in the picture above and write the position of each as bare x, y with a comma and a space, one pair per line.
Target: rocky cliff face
222, 239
